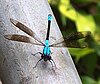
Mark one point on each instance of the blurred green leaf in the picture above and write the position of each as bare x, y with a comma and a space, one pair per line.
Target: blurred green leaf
85, 23
79, 53
88, 80
63, 20
97, 48
66, 9
89, 62
98, 81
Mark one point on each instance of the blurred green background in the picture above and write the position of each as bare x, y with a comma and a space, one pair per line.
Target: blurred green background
81, 15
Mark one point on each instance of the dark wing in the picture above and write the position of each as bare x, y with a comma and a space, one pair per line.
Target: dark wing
59, 43
78, 35
71, 44
25, 29
20, 38
73, 40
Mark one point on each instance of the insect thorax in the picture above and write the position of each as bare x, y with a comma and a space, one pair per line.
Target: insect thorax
46, 50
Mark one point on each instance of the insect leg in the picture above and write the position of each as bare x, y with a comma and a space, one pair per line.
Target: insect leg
36, 53
37, 63
53, 62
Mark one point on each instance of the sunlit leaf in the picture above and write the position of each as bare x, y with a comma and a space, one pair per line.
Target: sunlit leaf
67, 10
86, 23
79, 53
83, 22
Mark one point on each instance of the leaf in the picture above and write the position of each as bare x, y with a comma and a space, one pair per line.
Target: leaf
85, 22
79, 53
88, 80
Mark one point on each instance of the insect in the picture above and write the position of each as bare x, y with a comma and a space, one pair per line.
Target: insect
69, 41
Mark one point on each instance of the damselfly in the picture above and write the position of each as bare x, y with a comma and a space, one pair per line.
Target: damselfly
69, 41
